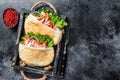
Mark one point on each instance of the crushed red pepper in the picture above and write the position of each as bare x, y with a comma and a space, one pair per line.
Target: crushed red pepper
10, 17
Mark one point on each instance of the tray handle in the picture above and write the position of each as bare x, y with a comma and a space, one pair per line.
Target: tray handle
27, 78
44, 2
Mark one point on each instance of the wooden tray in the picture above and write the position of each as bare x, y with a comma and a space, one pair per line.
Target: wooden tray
38, 70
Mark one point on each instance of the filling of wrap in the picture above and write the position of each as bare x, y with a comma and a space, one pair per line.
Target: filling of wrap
36, 40
50, 19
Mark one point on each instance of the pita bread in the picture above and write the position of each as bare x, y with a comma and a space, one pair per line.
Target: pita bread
35, 26
36, 56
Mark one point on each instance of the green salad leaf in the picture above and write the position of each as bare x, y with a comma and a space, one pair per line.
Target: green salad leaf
40, 37
55, 18
36, 14
31, 34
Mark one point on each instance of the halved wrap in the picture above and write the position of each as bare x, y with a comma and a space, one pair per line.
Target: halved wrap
36, 56
45, 23
36, 50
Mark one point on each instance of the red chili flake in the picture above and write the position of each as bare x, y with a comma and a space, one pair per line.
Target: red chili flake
10, 17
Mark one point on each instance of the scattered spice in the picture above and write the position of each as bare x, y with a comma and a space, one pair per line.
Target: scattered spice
10, 17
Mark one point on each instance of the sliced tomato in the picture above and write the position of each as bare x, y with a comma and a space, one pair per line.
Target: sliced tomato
47, 15
44, 43
38, 42
51, 24
26, 37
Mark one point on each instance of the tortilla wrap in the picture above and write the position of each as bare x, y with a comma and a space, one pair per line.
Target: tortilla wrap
35, 26
36, 56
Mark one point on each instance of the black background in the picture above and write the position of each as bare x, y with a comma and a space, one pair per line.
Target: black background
94, 48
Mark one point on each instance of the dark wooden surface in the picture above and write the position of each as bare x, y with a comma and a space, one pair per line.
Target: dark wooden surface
94, 49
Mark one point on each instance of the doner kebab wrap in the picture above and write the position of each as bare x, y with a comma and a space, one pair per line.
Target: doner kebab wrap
36, 49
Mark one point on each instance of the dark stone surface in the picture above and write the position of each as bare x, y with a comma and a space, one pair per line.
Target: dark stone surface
94, 50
